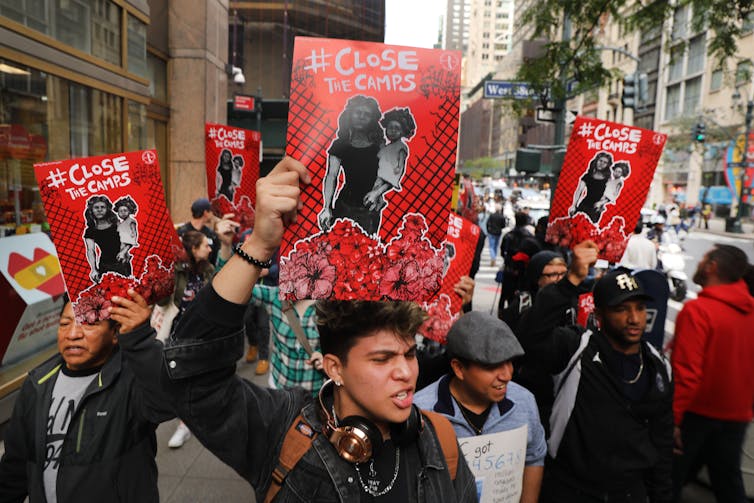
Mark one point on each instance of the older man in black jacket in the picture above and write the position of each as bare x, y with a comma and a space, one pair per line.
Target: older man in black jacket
83, 427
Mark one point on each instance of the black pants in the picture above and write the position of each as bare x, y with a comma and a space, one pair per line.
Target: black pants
257, 327
716, 444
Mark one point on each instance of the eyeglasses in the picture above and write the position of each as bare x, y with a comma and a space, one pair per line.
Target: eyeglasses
551, 275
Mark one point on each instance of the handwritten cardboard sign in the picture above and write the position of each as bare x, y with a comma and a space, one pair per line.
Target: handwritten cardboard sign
497, 461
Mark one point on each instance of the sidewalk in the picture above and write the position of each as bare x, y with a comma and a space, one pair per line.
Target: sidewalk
717, 226
192, 474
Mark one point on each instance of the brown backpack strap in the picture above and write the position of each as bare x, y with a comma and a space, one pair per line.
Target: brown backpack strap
447, 437
298, 439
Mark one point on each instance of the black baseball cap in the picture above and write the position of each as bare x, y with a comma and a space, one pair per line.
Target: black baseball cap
199, 206
616, 287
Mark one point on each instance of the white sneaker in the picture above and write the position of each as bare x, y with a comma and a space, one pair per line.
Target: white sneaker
180, 436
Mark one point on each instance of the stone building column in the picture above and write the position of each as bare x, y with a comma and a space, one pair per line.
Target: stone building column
198, 44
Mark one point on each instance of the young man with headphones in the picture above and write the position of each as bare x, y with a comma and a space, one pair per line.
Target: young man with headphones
361, 439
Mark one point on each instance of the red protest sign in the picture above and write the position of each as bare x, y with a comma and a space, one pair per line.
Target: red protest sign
445, 308
377, 126
111, 228
232, 164
603, 185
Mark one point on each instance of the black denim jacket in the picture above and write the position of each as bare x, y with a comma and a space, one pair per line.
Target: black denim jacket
244, 425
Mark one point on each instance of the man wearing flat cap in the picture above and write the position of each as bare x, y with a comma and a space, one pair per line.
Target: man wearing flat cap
478, 396
611, 426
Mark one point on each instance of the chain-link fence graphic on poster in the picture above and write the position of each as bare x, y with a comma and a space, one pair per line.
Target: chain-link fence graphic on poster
315, 110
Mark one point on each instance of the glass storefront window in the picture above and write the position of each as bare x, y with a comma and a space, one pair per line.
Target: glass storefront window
137, 126
23, 131
157, 137
158, 78
44, 117
137, 47
95, 122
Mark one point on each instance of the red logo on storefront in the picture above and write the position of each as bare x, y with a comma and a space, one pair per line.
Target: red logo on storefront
41, 272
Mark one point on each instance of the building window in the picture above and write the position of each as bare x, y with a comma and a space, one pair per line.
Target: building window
743, 72
60, 120
716, 80
91, 26
95, 121
157, 69
697, 48
137, 47
137, 126
486, 34
157, 138
691, 95
676, 63
650, 35
680, 20
748, 24
33, 14
673, 101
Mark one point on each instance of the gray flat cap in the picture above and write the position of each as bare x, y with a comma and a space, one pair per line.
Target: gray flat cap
482, 338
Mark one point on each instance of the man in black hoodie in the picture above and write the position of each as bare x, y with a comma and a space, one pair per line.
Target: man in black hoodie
544, 268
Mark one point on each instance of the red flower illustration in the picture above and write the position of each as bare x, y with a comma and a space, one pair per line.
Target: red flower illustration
439, 321
346, 263
311, 277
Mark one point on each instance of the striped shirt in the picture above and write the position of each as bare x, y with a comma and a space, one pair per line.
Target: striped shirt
288, 358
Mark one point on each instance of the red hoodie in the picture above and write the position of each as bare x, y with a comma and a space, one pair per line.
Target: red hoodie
713, 355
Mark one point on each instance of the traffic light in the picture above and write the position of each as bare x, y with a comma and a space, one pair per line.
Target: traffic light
699, 132
629, 91
528, 160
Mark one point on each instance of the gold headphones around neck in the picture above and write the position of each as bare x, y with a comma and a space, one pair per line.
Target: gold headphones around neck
357, 439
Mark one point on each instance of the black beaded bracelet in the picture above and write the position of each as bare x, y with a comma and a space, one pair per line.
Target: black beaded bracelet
251, 260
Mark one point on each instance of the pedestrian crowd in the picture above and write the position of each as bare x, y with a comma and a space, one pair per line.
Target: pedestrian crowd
608, 416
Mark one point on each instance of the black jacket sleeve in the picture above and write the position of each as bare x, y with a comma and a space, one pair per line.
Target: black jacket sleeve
241, 423
553, 307
143, 354
14, 485
659, 479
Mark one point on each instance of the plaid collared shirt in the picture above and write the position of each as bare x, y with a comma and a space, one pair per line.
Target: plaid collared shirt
288, 357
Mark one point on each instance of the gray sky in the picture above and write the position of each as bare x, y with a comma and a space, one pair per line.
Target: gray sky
413, 22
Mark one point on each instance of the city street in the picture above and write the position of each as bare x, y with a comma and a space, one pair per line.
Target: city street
192, 474
695, 246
